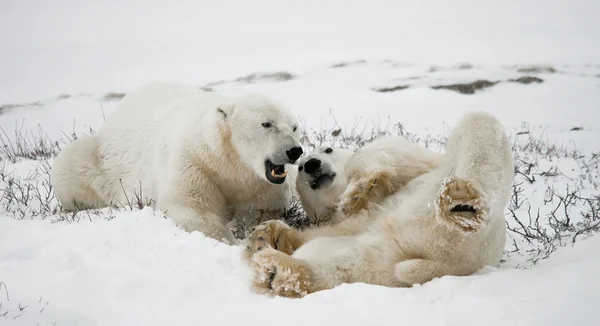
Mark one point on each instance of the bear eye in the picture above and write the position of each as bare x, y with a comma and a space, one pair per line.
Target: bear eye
266, 124
328, 150
295, 128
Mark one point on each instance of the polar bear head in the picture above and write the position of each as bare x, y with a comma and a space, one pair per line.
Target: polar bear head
321, 180
264, 133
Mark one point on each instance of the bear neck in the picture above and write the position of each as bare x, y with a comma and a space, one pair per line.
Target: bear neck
221, 154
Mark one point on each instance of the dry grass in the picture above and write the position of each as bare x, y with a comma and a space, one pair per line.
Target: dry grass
348, 64
275, 76
549, 207
113, 96
467, 88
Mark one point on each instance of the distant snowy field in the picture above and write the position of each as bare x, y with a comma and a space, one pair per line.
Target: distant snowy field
362, 67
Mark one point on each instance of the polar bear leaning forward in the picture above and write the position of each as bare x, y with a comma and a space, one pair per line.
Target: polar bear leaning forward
447, 221
200, 157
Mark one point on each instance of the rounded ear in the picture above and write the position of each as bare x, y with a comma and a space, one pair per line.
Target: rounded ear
225, 109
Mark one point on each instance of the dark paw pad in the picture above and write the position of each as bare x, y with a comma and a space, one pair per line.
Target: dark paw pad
463, 209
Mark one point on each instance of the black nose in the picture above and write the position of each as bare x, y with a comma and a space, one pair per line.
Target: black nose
311, 166
294, 153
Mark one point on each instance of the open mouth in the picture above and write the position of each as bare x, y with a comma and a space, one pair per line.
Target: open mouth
275, 173
322, 181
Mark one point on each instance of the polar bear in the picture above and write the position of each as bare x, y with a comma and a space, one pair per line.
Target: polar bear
200, 157
448, 221
323, 175
321, 179
331, 193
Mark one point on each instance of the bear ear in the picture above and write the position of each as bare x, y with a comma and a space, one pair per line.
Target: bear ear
225, 109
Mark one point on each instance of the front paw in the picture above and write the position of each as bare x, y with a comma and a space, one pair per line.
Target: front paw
271, 234
276, 273
360, 193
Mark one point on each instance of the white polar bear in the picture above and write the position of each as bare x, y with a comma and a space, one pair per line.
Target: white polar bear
321, 179
325, 173
198, 156
447, 221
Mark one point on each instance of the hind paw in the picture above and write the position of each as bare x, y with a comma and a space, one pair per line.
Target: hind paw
461, 205
278, 274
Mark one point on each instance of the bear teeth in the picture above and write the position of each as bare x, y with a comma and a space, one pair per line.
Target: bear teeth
278, 176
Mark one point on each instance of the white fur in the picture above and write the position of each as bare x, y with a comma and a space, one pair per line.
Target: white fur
198, 156
320, 204
401, 159
409, 241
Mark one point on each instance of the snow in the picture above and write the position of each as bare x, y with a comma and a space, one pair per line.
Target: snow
118, 45
140, 269
58, 60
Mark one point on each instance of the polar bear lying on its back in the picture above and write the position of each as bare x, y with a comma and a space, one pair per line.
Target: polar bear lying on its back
446, 221
324, 176
198, 156
335, 184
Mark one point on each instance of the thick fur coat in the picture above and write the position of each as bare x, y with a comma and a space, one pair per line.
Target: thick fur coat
200, 157
411, 217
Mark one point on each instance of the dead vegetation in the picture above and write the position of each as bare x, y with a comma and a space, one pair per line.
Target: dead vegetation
26, 145
527, 80
113, 96
550, 206
348, 64
7, 107
463, 88
390, 89
458, 66
278, 76
467, 88
275, 76
535, 69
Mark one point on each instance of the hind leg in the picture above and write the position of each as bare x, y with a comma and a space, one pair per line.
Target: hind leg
419, 271
473, 188
477, 173
460, 205
74, 174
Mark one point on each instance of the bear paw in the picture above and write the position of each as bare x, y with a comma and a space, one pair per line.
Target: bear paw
274, 234
460, 204
278, 274
364, 191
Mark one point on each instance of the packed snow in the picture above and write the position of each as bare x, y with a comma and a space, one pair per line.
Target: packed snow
363, 67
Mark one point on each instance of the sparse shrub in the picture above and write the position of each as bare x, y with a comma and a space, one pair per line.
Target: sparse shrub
113, 96
549, 208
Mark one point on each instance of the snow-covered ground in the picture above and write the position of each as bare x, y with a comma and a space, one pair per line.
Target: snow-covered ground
360, 66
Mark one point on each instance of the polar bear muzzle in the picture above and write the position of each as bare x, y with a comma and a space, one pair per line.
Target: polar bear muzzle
275, 173
320, 173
